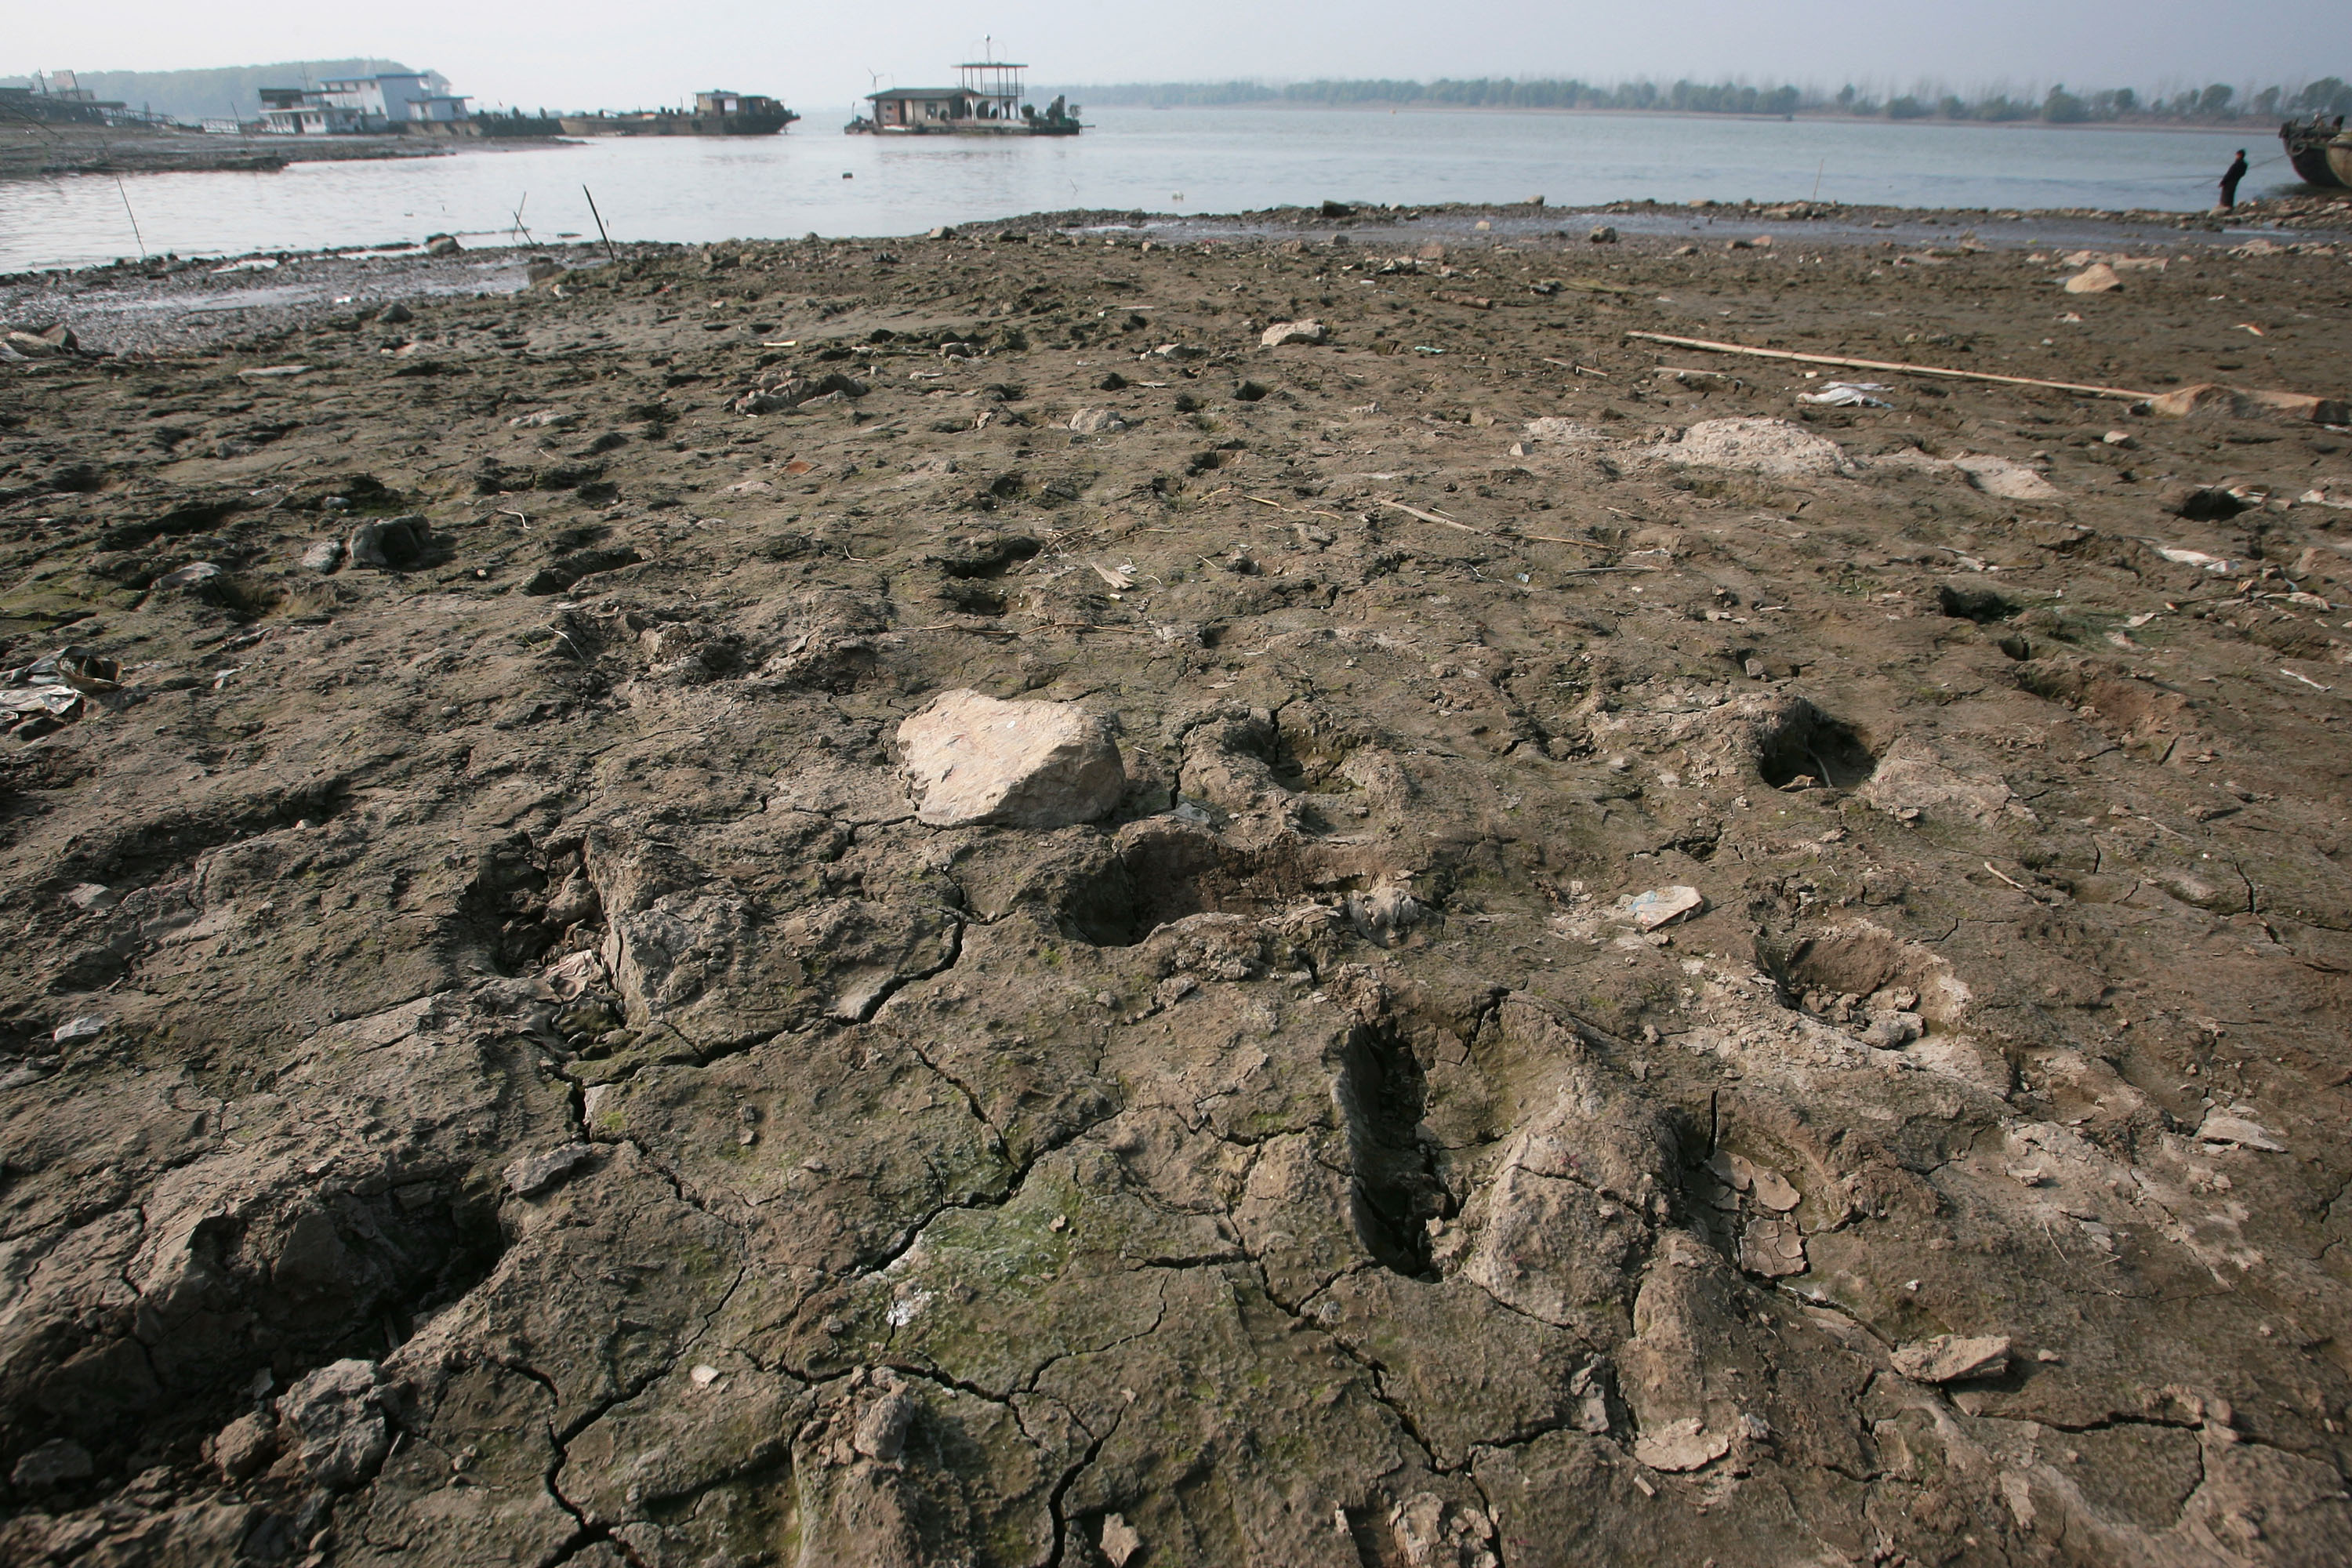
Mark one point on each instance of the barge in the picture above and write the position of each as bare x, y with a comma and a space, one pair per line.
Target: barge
986, 101
716, 113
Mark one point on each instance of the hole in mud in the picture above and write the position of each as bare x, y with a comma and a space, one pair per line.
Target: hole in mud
973, 598
1967, 602
985, 554
145, 852
522, 902
1856, 976
319, 1277
1171, 869
1815, 746
1395, 1193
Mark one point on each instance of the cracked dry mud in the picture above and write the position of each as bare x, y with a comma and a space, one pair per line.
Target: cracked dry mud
497, 1073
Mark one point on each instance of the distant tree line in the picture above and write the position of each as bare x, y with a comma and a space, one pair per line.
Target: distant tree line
2217, 104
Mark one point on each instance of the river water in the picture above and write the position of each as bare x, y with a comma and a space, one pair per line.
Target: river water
813, 179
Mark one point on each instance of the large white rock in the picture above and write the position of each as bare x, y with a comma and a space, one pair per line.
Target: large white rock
974, 758
1286, 332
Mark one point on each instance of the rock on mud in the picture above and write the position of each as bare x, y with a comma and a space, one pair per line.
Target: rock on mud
391, 543
334, 1419
1771, 448
1283, 332
1949, 1358
976, 760
536, 1172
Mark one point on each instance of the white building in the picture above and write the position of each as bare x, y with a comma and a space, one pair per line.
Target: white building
351, 104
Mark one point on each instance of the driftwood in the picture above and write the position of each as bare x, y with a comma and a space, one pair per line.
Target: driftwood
2123, 393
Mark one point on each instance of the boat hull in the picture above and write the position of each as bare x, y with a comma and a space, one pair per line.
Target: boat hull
2312, 152
867, 128
676, 124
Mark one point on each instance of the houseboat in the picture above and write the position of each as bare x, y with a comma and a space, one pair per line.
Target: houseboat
713, 114
986, 101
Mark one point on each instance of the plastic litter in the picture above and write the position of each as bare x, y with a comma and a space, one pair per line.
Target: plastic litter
1662, 906
47, 694
2185, 557
1847, 395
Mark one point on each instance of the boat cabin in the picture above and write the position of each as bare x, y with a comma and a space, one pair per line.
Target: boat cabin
989, 91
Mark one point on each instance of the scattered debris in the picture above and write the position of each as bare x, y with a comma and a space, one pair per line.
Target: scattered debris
1845, 395
1662, 906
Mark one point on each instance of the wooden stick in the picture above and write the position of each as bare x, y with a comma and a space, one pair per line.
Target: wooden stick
1428, 515
599, 225
2121, 393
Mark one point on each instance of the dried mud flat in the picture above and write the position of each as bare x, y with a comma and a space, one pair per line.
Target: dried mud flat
497, 1073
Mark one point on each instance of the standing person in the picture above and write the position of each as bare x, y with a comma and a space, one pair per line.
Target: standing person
2229, 178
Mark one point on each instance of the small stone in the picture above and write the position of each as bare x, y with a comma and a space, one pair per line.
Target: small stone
52, 1464
1892, 1031
391, 543
1950, 1358
195, 577
2232, 1127
441, 245
87, 1027
336, 1424
977, 760
1284, 333
881, 1432
1604, 235
92, 896
2097, 278
396, 314
1097, 421
243, 1448
1680, 1446
323, 556
704, 1376
1119, 1540
536, 1172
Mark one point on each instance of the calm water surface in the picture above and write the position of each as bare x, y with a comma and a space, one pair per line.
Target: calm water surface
1179, 160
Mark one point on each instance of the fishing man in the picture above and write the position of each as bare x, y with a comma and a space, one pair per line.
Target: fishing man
2229, 178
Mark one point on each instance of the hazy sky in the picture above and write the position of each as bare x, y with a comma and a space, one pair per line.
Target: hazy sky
622, 52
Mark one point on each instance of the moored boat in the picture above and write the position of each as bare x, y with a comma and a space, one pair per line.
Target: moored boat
714, 114
986, 101
2312, 146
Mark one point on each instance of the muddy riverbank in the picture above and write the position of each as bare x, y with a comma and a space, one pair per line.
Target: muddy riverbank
1678, 972
39, 152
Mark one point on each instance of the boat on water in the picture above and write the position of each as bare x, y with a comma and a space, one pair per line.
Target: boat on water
715, 113
2319, 150
986, 101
